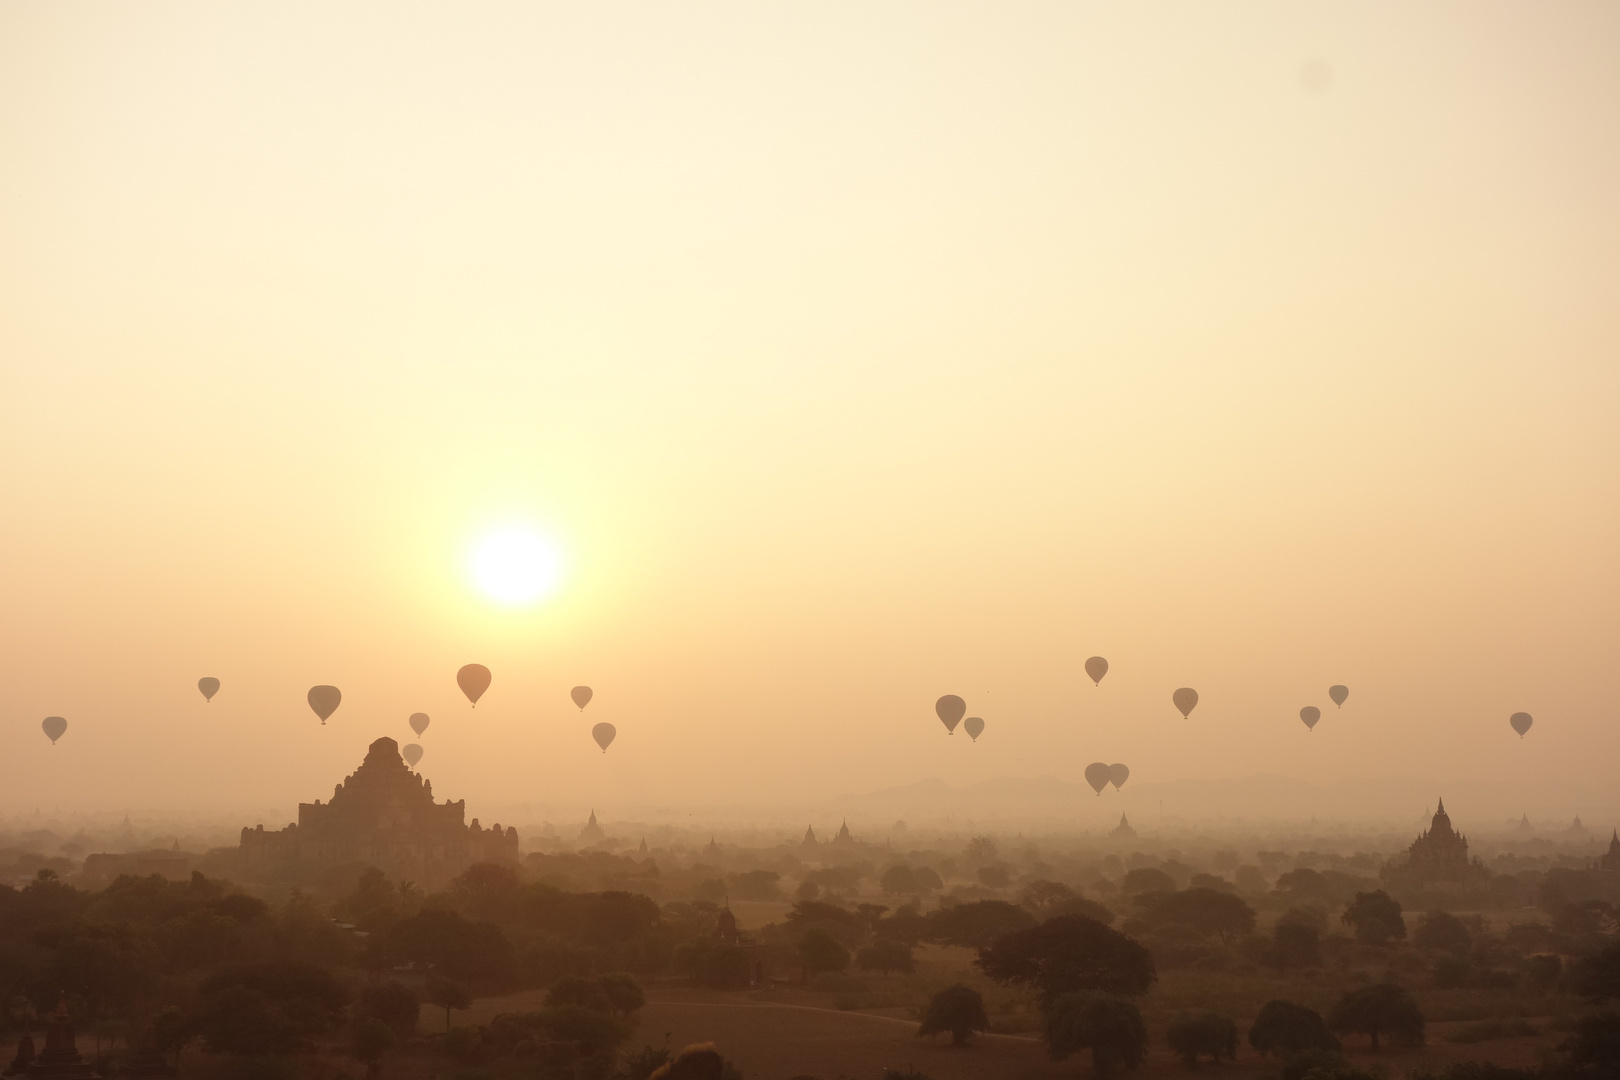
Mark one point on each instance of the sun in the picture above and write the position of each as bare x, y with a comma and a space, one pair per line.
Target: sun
515, 566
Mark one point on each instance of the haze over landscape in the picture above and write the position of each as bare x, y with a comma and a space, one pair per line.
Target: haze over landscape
776, 371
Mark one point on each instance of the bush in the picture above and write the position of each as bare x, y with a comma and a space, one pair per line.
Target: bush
369, 1040
1596, 1044
1284, 1028
1486, 1030
1208, 1033
957, 1009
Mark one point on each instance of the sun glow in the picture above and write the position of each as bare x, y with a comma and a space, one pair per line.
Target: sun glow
516, 566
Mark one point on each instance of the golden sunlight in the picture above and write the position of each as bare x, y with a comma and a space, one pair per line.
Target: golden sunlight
515, 565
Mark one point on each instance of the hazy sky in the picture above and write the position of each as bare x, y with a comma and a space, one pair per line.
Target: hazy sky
850, 354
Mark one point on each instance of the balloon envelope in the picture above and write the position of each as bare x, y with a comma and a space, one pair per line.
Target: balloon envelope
209, 687
581, 696
1310, 714
419, 722
1096, 667
1521, 722
411, 753
1338, 694
949, 709
974, 727
54, 727
324, 700
1185, 698
1097, 776
473, 680
603, 734
1118, 774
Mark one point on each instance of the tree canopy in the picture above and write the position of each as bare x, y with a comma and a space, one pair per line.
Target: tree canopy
957, 1009
1067, 954
1378, 1010
1283, 1028
1110, 1027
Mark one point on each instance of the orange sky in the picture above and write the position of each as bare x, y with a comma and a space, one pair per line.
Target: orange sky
851, 355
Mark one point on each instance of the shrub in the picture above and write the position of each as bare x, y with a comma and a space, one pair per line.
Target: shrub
957, 1009
1284, 1028
1202, 1033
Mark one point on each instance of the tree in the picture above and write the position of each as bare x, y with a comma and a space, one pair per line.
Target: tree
577, 990
1598, 976
447, 994
1443, 931
1147, 879
1110, 1027
1284, 1028
886, 955
1067, 954
820, 951
624, 994
957, 1009
1207, 911
395, 1004
756, 885
1376, 917
1190, 1035
451, 946
265, 1010
978, 924
1379, 1009
369, 1040
1294, 945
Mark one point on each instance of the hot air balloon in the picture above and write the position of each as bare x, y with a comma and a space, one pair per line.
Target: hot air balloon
411, 753
1186, 700
1097, 776
324, 700
949, 709
1096, 667
1310, 714
581, 696
1521, 722
209, 687
1338, 694
974, 727
603, 734
1118, 774
419, 722
54, 727
473, 680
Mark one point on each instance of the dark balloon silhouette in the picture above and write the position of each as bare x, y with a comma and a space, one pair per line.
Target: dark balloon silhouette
1338, 694
581, 696
473, 680
1521, 722
325, 700
950, 709
1118, 774
54, 726
604, 734
1310, 714
419, 722
209, 687
411, 753
1096, 667
1097, 776
1186, 700
974, 727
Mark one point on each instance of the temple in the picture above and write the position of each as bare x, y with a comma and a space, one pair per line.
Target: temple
1611, 858
1438, 857
60, 1057
382, 815
1123, 830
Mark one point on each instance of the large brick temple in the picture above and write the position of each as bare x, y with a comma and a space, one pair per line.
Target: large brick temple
382, 815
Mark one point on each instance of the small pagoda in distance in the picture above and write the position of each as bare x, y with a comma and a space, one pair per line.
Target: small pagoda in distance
60, 1059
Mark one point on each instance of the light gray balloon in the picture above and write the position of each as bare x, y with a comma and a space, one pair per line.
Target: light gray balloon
1521, 722
604, 735
1186, 699
1310, 714
1338, 693
1097, 776
974, 726
54, 726
950, 710
411, 753
1118, 774
209, 687
419, 722
324, 700
1096, 667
